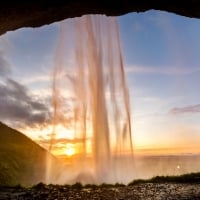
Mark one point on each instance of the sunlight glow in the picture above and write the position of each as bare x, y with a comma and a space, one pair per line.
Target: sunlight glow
70, 150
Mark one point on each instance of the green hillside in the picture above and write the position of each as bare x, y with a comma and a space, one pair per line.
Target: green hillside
22, 161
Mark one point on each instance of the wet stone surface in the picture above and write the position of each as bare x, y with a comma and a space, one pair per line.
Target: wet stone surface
145, 191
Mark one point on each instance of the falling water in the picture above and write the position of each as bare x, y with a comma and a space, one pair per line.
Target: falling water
89, 63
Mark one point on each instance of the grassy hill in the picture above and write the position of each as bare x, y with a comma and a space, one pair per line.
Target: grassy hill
22, 161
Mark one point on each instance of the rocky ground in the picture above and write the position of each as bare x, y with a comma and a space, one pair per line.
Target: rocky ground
144, 191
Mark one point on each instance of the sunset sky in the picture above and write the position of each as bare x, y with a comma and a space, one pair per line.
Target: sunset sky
162, 63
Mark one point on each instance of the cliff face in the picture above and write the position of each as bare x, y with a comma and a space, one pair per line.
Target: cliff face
14, 15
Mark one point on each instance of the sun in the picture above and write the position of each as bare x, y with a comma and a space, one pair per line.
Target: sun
70, 150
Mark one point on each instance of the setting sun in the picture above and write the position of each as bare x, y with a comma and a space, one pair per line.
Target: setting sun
70, 150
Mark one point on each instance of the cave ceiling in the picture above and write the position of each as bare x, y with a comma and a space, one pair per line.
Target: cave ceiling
18, 14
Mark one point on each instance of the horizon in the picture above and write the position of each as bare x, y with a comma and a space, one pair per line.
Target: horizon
138, 151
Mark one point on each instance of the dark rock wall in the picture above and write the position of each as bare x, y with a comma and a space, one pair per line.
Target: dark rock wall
17, 14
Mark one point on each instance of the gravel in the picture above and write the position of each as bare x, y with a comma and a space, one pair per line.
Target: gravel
145, 191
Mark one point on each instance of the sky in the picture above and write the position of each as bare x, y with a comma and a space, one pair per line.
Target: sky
162, 65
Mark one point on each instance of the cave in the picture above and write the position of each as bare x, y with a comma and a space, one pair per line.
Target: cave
14, 15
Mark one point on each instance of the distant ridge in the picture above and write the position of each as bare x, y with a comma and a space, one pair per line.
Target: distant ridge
22, 161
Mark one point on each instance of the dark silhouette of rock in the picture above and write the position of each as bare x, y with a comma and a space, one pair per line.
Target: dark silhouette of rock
15, 14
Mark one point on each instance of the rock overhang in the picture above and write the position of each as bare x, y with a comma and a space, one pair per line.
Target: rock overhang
14, 15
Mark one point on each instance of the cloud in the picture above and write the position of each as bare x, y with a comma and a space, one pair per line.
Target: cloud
36, 79
19, 107
62, 141
161, 70
58, 144
186, 109
4, 65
